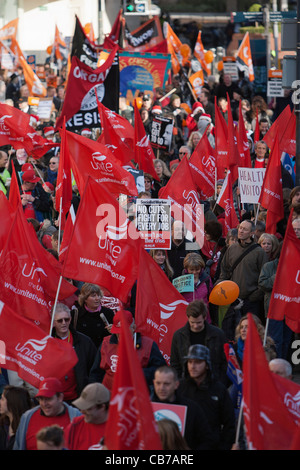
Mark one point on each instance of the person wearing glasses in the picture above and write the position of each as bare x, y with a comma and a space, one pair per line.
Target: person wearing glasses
51, 173
77, 378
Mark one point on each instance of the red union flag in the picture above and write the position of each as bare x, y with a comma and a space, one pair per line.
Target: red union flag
271, 196
144, 155
160, 308
285, 298
63, 190
90, 158
29, 352
225, 200
131, 424
117, 134
203, 168
182, 192
14, 126
29, 275
221, 138
103, 248
82, 80
269, 424
278, 127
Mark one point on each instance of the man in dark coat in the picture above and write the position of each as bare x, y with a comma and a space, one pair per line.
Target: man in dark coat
198, 331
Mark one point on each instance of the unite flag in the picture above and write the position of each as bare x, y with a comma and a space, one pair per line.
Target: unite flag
244, 57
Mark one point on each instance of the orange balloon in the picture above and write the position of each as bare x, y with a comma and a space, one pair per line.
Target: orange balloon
185, 50
209, 57
224, 293
138, 102
220, 65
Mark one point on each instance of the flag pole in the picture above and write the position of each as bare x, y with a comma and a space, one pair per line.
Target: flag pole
257, 212
238, 427
266, 331
55, 303
59, 225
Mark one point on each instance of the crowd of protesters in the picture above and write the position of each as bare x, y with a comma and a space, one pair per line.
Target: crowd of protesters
72, 415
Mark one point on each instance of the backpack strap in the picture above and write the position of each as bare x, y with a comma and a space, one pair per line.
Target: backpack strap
245, 253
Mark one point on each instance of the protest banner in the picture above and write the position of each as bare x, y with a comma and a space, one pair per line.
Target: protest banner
161, 132
153, 221
142, 72
274, 88
250, 183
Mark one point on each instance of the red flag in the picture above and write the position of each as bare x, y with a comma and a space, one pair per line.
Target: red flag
225, 200
7, 218
278, 127
29, 275
117, 134
284, 302
202, 165
233, 153
221, 138
269, 425
160, 308
63, 190
271, 197
81, 80
29, 352
104, 243
242, 141
144, 154
90, 158
14, 126
14, 192
15, 130
287, 142
131, 424
186, 206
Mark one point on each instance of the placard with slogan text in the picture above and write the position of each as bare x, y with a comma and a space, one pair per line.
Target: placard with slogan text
184, 283
161, 132
230, 67
275, 84
153, 221
250, 183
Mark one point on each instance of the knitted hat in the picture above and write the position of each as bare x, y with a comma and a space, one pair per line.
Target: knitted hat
197, 107
156, 109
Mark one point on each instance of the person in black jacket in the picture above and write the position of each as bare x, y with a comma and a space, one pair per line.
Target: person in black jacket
85, 349
197, 432
93, 320
213, 397
198, 331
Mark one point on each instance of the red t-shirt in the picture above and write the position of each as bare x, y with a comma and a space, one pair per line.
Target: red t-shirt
39, 421
80, 435
29, 209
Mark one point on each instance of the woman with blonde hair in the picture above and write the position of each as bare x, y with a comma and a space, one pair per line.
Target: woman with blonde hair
91, 317
269, 244
193, 140
161, 258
